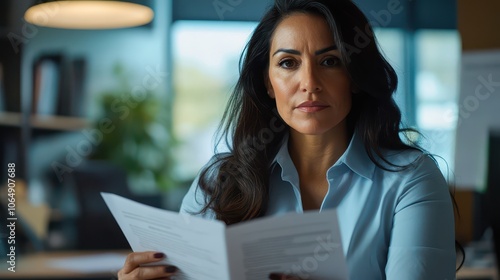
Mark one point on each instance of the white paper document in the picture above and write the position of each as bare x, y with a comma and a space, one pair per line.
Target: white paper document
307, 245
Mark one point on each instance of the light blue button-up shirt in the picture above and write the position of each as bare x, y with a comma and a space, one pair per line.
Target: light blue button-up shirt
394, 225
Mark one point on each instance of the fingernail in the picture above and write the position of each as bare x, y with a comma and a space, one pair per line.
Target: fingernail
171, 269
275, 276
159, 255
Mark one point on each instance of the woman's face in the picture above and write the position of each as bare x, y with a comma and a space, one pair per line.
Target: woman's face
306, 76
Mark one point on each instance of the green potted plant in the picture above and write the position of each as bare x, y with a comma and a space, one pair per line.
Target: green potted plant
139, 137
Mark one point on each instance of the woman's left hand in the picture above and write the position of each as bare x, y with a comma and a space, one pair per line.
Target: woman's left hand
282, 276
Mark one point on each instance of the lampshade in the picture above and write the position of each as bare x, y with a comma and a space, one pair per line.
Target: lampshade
76, 14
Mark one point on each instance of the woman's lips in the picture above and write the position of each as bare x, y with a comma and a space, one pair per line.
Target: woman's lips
311, 106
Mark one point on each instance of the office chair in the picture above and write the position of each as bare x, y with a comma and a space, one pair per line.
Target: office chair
96, 227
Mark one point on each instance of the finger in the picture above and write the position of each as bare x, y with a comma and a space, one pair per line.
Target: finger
153, 272
134, 260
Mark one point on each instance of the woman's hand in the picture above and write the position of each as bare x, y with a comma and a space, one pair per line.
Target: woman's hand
132, 268
282, 276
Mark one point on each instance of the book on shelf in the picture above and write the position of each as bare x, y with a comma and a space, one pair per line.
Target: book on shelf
47, 82
58, 86
46, 86
76, 90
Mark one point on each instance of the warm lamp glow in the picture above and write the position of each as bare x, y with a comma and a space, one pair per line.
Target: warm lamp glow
88, 14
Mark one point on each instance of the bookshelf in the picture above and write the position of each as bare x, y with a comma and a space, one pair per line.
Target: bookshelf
63, 123
29, 125
55, 103
10, 119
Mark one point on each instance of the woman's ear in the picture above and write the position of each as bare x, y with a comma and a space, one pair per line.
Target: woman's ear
270, 92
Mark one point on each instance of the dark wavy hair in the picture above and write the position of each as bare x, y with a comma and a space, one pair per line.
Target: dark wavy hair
236, 183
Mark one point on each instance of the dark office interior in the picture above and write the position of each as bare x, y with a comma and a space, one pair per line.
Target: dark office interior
132, 111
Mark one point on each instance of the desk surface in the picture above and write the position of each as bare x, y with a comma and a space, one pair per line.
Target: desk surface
39, 266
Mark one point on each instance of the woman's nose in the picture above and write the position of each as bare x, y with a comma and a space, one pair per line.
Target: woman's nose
309, 80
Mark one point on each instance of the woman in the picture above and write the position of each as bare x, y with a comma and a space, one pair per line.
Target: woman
313, 125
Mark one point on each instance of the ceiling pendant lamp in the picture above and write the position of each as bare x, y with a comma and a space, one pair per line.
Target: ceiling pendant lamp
93, 14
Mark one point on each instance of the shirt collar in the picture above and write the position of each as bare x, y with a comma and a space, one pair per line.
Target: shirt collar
283, 159
354, 157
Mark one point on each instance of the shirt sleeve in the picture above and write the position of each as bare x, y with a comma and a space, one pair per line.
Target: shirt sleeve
194, 201
422, 244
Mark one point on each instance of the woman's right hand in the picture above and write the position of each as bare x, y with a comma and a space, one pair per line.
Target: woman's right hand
132, 268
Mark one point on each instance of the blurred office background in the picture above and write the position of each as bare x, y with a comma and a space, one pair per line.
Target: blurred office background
134, 110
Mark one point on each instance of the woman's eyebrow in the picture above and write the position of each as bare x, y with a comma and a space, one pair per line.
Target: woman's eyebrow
327, 49
296, 52
290, 51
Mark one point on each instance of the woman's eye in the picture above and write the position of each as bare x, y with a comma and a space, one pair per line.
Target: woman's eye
331, 61
287, 63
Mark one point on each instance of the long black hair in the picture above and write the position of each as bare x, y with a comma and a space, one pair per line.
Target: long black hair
236, 183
